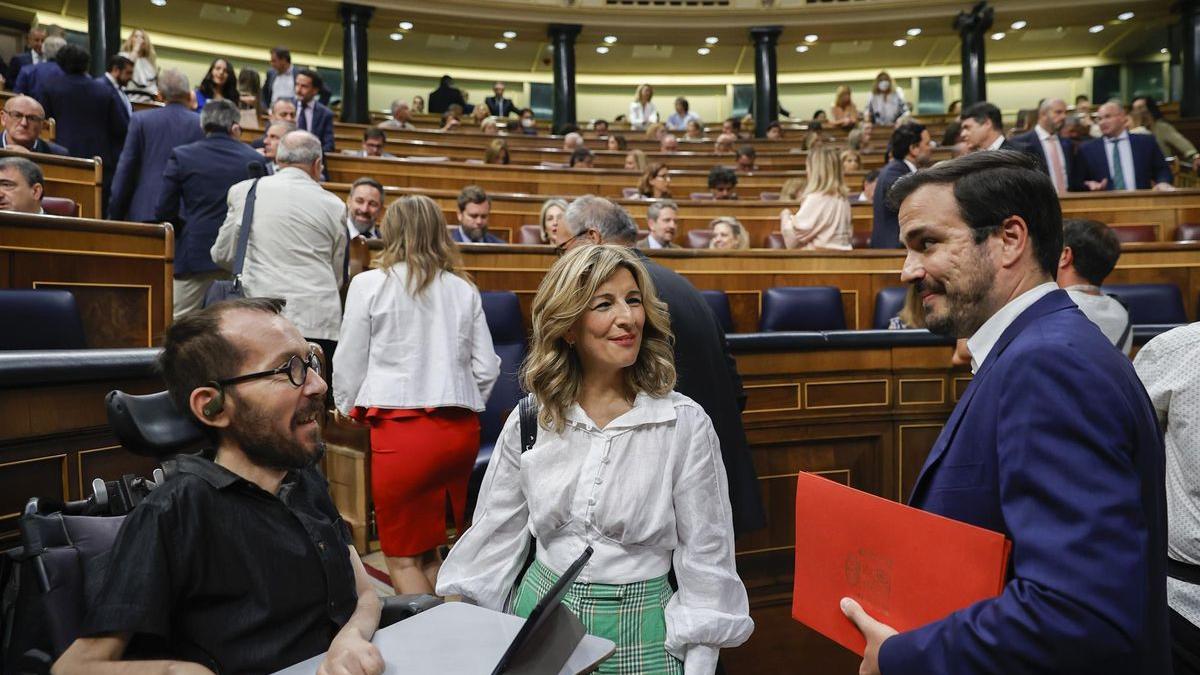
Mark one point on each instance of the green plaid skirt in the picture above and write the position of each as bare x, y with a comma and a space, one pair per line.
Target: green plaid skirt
631, 615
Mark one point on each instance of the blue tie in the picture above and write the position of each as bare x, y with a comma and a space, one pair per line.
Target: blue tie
303, 120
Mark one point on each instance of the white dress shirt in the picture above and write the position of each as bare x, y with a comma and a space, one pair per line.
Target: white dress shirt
645, 492
296, 250
1051, 148
653, 243
1125, 151
120, 93
997, 143
403, 352
980, 344
1169, 367
642, 115
284, 84
352, 230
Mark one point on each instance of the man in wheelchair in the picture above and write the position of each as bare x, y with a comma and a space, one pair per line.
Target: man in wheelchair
240, 562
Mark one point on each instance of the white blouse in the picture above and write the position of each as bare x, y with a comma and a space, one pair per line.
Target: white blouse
401, 351
641, 115
646, 491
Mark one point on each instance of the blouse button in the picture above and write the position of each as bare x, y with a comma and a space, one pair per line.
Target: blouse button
592, 501
598, 481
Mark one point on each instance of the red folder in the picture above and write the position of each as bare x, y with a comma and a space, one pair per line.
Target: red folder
905, 566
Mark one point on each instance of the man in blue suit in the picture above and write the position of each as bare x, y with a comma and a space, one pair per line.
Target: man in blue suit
474, 207
195, 184
1054, 443
1119, 160
33, 54
1055, 154
32, 76
911, 149
153, 134
311, 115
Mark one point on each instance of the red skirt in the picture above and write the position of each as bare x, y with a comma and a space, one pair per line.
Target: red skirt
418, 458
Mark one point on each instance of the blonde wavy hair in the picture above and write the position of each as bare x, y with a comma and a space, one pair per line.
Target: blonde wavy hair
553, 372
147, 50
414, 232
824, 167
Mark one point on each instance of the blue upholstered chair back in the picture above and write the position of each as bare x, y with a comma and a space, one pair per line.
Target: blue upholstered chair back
40, 320
801, 308
718, 302
888, 303
1150, 303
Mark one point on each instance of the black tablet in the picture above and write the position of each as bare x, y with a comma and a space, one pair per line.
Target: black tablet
542, 611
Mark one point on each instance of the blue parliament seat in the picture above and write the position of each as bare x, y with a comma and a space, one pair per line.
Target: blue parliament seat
888, 303
802, 308
40, 319
1150, 303
718, 302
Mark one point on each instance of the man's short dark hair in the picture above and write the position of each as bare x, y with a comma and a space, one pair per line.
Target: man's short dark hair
734, 122
722, 175
472, 194
1151, 106
313, 75
774, 125
599, 122
984, 112
747, 151
872, 175
992, 186
73, 59
118, 62
1095, 248
683, 102
282, 53
1081, 97
580, 154
29, 170
367, 180
195, 352
374, 132
905, 137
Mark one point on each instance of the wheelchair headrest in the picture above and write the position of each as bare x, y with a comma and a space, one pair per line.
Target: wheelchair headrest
150, 425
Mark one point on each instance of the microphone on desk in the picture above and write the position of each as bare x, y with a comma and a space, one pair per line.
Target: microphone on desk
256, 170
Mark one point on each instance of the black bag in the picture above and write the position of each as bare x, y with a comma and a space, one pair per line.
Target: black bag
227, 289
527, 410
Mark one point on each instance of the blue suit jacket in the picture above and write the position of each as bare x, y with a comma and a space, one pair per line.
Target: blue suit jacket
197, 178
488, 238
152, 135
1055, 445
17, 62
1149, 165
33, 77
91, 121
322, 124
40, 145
885, 226
1030, 142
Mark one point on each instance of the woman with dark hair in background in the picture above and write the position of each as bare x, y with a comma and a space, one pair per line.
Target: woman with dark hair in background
655, 182
218, 83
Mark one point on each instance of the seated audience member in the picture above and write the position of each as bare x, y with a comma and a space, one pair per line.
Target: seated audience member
823, 219
982, 128
401, 117
24, 118
725, 143
571, 141
955, 108
153, 134
218, 83
859, 137
635, 160
791, 190
656, 131
669, 143
418, 104
32, 76
528, 123
1083, 108
694, 133
480, 113
488, 127
282, 110
1141, 166
843, 114
819, 117
551, 218
868, 191
851, 161
679, 119
722, 182
912, 314
373, 143
1090, 253
21, 185
297, 243
312, 115
732, 125
774, 131
582, 158
655, 182
728, 234
911, 149
497, 104
746, 156
597, 311
600, 128
364, 206
275, 132
497, 152
886, 104
641, 110
1170, 141
661, 219
280, 82
450, 121
240, 561
474, 207
445, 95
195, 183
617, 142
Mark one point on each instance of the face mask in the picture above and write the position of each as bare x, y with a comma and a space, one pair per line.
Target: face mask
527, 122
885, 85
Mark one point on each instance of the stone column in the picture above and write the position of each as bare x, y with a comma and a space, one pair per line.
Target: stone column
766, 69
562, 37
973, 27
104, 32
354, 62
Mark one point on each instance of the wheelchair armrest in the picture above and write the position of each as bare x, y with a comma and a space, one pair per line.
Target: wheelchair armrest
400, 607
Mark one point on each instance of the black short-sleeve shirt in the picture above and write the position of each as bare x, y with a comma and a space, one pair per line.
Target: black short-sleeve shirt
212, 569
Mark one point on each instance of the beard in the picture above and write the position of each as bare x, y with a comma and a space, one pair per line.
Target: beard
965, 305
255, 432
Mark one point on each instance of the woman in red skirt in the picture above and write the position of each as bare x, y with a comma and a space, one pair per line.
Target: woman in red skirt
415, 361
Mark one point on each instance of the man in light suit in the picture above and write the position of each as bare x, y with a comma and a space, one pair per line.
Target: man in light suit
31, 55
911, 149
1055, 154
153, 134
497, 104
312, 115
194, 186
1054, 443
1141, 164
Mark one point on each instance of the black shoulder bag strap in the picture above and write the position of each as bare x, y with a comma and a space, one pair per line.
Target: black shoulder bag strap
527, 409
244, 234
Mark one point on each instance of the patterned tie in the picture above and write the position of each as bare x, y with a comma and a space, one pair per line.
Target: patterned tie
1118, 170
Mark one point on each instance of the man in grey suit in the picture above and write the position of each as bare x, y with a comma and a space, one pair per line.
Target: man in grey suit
153, 134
